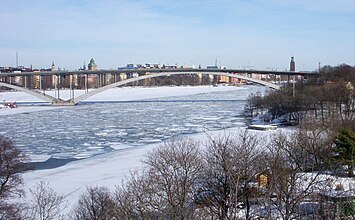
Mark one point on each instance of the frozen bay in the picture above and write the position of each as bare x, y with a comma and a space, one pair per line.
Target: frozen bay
91, 129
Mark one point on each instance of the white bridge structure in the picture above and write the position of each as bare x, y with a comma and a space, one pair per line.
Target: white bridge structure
153, 74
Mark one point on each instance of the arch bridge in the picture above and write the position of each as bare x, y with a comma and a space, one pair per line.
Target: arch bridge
155, 73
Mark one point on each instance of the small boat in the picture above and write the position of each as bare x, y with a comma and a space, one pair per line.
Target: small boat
9, 104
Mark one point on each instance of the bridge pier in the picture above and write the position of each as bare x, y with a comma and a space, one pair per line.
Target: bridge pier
86, 83
64, 103
58, 85
71, 87
40, 82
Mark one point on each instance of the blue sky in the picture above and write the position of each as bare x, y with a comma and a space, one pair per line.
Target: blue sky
258, 33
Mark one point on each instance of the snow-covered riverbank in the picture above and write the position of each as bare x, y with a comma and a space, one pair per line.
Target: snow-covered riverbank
108, 170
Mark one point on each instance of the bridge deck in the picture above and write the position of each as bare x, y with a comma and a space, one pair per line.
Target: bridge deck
141, 71
155, 73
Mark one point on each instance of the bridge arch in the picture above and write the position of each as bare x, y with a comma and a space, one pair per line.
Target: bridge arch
35, 93
123, 82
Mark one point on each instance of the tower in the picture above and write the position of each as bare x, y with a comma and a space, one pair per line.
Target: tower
92, 65
53, 67
292, 65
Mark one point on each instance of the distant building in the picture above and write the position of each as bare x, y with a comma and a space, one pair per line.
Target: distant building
92, 65
213, 67
84, 67
219, 79
53, 67
132, 66
292, 65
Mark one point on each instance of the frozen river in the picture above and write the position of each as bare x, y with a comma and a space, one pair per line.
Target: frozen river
90, 129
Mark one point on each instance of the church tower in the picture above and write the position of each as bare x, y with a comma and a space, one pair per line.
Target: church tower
92, 65
292, 64
53, 67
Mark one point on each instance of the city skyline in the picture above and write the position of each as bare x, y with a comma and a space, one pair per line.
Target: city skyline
254, 33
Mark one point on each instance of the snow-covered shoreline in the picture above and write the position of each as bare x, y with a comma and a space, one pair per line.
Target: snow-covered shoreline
108, 169
111, 169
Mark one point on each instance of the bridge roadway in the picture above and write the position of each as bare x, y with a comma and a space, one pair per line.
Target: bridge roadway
157, 73
175, 70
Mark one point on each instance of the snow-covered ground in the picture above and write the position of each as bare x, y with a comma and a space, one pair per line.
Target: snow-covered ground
108, 169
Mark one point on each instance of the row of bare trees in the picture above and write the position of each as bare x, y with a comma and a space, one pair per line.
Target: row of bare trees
183, 180
235, 176
329, 97
224, 180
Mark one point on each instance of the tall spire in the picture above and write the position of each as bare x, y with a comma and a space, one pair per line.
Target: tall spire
53, 66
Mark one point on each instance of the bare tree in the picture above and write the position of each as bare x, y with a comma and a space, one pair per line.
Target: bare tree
220, 178
316, 143
165, 189
248, 151
12, 211
46, 204
175, 168
289, 183
137, 198
254, 105
11, 166
95, 204
231, 164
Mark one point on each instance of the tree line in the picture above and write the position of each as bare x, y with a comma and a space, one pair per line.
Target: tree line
326, 98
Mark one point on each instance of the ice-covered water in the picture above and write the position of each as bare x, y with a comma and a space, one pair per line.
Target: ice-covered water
86, 130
